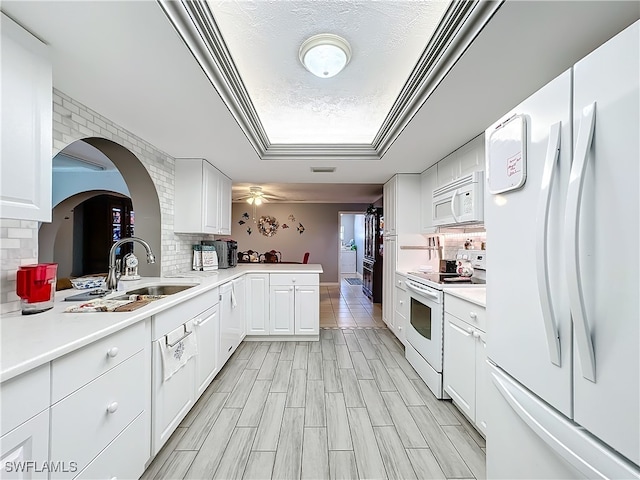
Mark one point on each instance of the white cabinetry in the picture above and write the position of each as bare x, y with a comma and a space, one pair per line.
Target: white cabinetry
97, 413
25, 404
401, 200
257, 304
238, 312
467, 159
389, 192
27, 443
26, 125
202, 198
402, 308
207, 330
99, 392
464, 369
348, 261
294, 304
389, 260
428, 182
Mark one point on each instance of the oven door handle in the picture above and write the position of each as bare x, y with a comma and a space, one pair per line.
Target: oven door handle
422, 291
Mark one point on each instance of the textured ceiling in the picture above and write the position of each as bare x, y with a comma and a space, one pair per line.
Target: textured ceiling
294, 106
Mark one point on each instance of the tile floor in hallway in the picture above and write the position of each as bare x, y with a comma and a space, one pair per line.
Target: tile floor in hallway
346, 305
348, 406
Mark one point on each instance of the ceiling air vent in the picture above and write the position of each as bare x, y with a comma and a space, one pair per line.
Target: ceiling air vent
323, 169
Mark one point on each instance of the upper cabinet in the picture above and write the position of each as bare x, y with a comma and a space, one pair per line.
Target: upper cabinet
401, 198
428, 182
25, 165
202, 198
465, 160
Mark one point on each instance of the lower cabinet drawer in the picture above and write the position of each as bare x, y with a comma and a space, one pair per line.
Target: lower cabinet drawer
123, 458
86, 421
467, 311
294, 279
74, 370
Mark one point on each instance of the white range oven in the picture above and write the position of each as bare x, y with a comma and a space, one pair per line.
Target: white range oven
425, 338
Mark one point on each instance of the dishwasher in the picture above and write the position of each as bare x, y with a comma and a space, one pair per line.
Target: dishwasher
176, 345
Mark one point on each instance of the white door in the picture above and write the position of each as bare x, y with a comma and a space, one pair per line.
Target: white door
210, 189
307, 310
459, 367
207, 330
27, 443
521, 342
388, 279
238, 307
282, 310
609, 215
257, 303
482, 382
25, 158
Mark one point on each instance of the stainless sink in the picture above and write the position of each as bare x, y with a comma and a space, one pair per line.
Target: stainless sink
159, 290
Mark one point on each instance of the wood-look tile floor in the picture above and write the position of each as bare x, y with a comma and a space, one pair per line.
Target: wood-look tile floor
346, 407
346, 305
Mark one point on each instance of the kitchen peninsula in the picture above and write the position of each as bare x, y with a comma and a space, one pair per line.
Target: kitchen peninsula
118, 392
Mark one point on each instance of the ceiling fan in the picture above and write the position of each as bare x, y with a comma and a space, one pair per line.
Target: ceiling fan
257, 196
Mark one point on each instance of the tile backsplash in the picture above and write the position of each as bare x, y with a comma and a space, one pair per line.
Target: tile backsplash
74, 121
456, 241
18, 246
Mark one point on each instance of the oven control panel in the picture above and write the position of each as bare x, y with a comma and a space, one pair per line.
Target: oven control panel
477, 258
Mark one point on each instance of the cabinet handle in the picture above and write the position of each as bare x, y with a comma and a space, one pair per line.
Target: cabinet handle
473, 315
290, 288
476, 334
293, 280
113, 352
470, 331
112, 407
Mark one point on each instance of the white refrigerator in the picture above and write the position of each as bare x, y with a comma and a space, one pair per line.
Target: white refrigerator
562, 220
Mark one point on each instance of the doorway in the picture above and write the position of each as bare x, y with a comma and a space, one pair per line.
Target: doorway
350, 245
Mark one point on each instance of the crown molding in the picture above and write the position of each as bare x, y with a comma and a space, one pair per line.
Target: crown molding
460, 25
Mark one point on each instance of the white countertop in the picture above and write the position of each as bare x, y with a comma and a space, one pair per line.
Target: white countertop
477, 295
28, 341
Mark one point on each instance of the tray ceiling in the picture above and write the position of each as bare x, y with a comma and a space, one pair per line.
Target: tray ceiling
386, 38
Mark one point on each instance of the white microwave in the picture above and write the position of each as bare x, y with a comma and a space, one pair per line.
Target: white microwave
459, 202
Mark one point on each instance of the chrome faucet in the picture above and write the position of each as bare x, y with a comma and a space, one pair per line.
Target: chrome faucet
114, 273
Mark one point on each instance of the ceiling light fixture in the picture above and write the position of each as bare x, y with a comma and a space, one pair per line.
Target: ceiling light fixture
255, 199
325, 55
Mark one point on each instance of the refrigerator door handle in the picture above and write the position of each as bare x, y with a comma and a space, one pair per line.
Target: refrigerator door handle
453, 206
542, 231
572, 443
572, 226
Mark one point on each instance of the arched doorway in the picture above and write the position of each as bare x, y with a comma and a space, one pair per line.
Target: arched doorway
143, 195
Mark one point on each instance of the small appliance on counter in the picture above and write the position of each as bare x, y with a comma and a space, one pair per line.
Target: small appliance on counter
36, 287
226, 250
447, 266
205, 258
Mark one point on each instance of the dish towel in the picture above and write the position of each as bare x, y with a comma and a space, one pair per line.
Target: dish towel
177, 347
